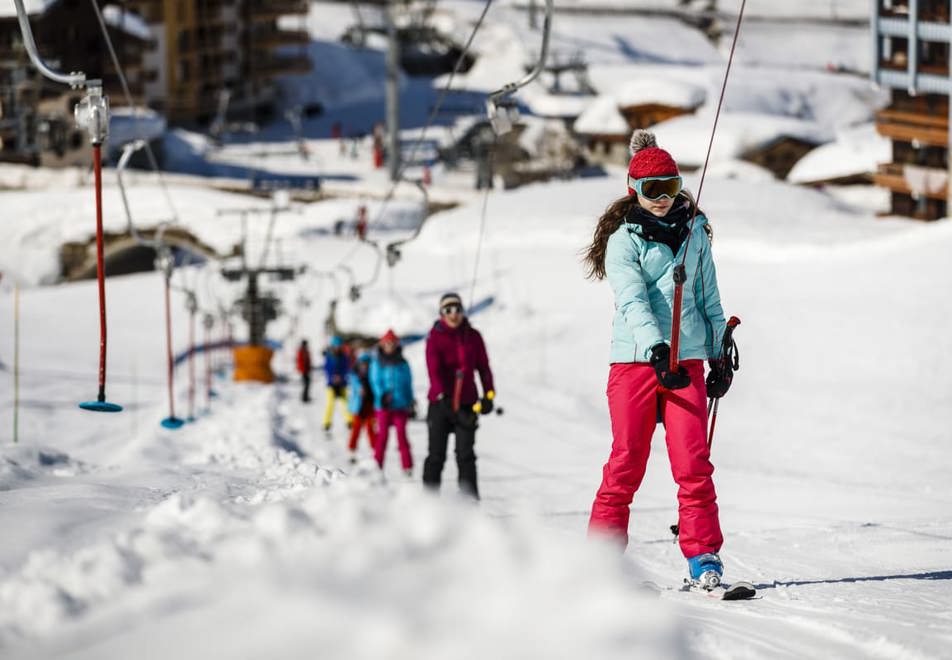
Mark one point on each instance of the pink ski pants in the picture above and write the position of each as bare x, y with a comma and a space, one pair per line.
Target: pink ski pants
398, 419
633, 402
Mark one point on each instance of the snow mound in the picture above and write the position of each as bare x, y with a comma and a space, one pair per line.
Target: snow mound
417, 576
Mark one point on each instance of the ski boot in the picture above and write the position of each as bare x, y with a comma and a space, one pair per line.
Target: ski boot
706, 570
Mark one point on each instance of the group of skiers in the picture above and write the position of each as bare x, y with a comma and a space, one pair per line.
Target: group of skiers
376, 386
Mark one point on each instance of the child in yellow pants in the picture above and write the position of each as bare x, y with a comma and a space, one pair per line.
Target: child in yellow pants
336, 368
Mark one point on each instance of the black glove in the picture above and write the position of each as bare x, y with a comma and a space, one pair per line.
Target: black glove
719, 378
485, 405
414, 413
660, 360
386, 400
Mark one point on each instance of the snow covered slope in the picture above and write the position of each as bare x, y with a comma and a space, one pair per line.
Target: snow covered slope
248, 532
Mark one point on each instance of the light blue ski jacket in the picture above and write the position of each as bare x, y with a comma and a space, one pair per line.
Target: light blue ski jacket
641, 274
391, 377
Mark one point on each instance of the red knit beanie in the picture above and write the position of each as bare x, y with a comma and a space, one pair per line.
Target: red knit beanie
390, 336
648, 159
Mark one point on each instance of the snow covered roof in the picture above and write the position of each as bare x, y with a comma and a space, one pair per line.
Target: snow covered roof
8, 9
687, 137
544, 104
127, 21
674, 93
601, 118
855, 151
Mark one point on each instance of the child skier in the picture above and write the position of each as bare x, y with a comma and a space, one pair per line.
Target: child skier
392, 385
361, 405
336, 368
637, 243
304, 368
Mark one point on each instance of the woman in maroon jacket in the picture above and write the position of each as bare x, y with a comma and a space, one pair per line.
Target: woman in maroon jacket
454, 350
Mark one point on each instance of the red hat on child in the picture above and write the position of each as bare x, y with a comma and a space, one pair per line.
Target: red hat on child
390, 336
648, 159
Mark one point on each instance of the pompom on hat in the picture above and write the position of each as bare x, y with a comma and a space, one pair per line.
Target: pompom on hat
648, 159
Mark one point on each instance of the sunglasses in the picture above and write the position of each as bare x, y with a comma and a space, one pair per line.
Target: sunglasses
452, 308
655, 187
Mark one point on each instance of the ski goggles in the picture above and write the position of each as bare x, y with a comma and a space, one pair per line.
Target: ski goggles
452, 308
656, 187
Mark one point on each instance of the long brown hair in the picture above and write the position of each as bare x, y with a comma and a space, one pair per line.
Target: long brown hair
594, 255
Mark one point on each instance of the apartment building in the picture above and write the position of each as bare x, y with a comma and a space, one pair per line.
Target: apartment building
203, 48
911, 40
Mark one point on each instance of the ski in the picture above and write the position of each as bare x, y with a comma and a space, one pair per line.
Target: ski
734, 591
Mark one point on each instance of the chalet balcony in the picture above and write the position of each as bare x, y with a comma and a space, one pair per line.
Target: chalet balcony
936, 134
913, 180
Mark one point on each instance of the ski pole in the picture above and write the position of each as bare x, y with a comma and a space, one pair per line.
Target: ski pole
710, 434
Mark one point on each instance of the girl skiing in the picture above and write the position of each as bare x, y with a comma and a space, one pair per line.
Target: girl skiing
637, 244
392, 385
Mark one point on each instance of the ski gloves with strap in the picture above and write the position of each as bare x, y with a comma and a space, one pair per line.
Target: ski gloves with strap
719, 378
660, 360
